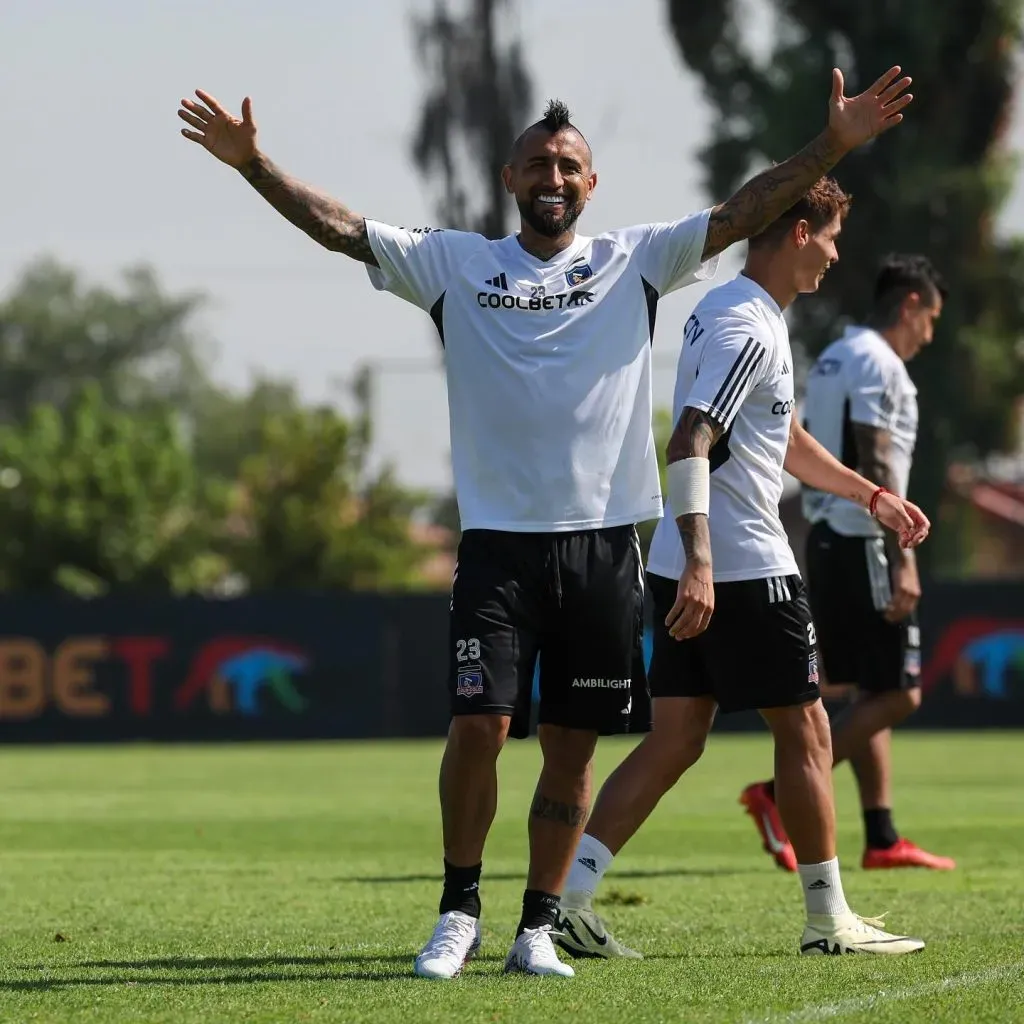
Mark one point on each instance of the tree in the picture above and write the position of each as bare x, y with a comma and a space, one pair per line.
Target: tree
94, 498
309, 513
56, 335
228, 427
934, 184
477, 100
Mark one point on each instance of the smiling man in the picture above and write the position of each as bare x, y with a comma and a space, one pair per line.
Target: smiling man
547, 339
732, 626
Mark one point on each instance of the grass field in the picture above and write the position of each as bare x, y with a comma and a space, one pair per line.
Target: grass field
295, 883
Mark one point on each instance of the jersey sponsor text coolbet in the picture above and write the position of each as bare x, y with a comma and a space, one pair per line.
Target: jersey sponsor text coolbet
736, 365
548, 365
859, 379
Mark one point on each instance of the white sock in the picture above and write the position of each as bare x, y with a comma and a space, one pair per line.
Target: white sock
823, 888
591, 862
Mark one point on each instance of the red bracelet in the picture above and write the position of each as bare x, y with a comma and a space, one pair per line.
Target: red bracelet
873, 504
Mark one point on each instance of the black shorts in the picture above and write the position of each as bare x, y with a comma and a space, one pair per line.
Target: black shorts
758, 652
572, 600
850, 586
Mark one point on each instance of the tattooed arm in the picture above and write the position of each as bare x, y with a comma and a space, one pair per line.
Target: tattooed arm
852, 121
770, 194
873, 457
232, 140
324, 219
693, 438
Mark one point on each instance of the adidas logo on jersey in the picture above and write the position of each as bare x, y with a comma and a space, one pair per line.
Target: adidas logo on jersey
498, 282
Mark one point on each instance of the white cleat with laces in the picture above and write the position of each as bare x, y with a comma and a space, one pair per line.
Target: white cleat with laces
455, 940
533, 952
850, 933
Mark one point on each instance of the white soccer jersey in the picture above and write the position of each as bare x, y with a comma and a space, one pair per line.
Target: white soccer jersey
736, 365
859, 379
548, 365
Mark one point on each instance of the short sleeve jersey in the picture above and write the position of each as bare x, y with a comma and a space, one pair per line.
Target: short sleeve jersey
548, 365
859, 379
736, 365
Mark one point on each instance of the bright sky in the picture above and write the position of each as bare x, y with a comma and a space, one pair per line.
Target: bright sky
96, 174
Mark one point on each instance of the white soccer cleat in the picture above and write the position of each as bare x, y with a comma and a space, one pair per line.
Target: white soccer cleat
581, 933
455, 940
534, 953
849, 933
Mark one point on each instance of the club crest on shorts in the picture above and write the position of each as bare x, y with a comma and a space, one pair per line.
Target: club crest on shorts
470, 682
577, 275
912, 662
812, 669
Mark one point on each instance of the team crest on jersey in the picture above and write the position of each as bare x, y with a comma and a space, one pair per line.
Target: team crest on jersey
577, 275
470, 682
812, 669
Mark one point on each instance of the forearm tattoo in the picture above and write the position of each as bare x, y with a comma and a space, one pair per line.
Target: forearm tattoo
770, 194
694, 436
572, 815
874, 449
323, 218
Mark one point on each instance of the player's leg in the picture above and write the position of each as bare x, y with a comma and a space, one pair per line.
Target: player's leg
828, 572
683, 715
587, 664
788, 700
889, 693
491, 638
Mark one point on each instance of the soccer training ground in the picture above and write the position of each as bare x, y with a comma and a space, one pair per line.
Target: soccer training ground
295, 883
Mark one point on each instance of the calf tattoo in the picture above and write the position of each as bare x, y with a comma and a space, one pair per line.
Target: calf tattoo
546, 809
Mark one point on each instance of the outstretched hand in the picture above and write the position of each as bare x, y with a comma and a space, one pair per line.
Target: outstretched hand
229, 139
855, 120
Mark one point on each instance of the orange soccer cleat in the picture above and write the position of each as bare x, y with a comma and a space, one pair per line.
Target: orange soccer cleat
905, 854
760, 805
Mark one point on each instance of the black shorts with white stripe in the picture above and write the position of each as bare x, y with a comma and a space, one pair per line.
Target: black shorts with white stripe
850, 587
758, 652
571, 603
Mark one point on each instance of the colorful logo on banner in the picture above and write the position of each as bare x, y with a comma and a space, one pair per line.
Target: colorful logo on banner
228, 675
980, 655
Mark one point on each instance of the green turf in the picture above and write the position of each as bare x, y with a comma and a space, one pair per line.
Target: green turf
295, 882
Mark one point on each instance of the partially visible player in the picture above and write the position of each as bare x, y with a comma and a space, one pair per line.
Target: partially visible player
862, 406
727, 553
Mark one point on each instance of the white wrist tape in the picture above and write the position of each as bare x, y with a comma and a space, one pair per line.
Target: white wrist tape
689, 486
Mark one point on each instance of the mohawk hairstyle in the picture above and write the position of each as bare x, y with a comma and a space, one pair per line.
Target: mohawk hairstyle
557, 118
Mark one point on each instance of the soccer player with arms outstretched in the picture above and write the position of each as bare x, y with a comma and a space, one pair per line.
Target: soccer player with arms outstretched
547, 338
862, 406
732, 627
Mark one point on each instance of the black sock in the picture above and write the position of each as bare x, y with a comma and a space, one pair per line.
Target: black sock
539, 908
879, 829
461, 890
770, 786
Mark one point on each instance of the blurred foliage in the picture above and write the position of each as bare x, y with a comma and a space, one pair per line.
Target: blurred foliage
477, 100
934, 184
93, 498
123, 466
314, 515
